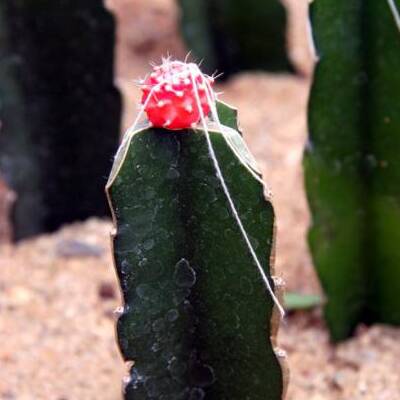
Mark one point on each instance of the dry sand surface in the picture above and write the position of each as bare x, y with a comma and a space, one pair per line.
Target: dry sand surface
58, 292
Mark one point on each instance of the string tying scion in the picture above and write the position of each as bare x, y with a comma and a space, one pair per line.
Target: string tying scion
174, 106
177, 95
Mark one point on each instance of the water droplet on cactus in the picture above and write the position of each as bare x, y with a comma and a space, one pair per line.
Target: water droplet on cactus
148, 244
197, 394
124, 266
228, 233
156, 347
236, 321
246, 286
208, 193
173, 173
143, 262
185, 275
158, 325
202, 375
255, 243
140, 169
177, 369
137, 250
172, 315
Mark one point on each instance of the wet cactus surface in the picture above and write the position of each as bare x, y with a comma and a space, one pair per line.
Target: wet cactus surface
196, 318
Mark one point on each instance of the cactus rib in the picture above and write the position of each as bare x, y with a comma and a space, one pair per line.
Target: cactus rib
352, 164
196, 312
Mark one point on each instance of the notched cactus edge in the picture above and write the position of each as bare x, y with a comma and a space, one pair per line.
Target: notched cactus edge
198, 321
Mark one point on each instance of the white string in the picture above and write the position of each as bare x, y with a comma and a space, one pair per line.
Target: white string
212, 103
395, 12
214, 113
229, 197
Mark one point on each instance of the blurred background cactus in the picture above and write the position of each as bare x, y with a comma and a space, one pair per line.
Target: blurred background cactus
197, 319
236, 35
352, 163
60, 112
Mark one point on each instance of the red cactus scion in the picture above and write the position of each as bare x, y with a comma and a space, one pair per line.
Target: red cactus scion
169, 97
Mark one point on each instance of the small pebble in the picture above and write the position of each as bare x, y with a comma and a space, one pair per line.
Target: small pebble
106, 291
77, 248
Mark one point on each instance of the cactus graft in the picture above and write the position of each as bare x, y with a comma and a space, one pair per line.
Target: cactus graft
196, 310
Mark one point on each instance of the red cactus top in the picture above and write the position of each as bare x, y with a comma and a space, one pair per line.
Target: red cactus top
176, 95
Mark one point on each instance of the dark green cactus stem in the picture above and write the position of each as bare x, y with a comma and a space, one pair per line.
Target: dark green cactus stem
197, 316
57, 99
352, 164
236, 35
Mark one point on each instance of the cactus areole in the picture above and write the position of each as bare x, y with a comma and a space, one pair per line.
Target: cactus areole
169, 95
192, 248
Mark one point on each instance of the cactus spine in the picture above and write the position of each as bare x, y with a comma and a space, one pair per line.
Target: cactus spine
196, 318
352, 164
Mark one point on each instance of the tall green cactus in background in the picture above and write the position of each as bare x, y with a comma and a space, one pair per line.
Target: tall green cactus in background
197, 317
352, 164
236, 35
57, 99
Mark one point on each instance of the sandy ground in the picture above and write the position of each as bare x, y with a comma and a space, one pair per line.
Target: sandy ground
57, 297
58, 292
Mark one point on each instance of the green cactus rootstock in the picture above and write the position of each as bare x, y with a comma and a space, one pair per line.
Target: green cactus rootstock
352, 164
236, 35
197, 316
